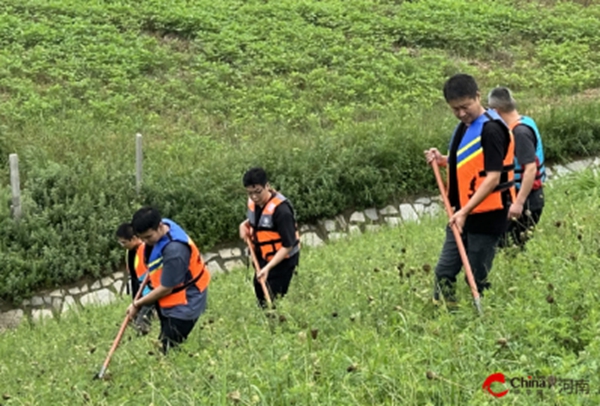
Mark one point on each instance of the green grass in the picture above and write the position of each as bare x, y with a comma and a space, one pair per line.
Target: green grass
92, 73
378, 333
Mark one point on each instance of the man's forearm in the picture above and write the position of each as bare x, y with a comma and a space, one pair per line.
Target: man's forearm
279, 256
527, 179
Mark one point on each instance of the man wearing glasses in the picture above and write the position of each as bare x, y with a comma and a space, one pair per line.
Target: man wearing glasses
272, 227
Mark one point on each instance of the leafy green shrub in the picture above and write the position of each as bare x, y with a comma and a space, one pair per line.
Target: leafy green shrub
571, 130
70, 216
71, 211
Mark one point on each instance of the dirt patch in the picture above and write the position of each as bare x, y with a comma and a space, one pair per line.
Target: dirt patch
589, 94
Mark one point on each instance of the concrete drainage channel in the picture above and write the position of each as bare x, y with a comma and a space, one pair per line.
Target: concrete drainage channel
48, 304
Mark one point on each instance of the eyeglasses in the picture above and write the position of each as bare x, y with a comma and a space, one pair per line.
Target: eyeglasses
255, 192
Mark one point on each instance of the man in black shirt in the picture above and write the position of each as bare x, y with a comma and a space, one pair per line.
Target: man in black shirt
136, 266
271, 225
526, 210
480, 185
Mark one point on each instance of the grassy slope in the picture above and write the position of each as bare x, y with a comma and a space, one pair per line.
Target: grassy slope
187, 72
336, 99
391, 340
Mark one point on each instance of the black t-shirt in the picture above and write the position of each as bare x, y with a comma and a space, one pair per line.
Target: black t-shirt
495, 140
285, 224
525, 145
135, 283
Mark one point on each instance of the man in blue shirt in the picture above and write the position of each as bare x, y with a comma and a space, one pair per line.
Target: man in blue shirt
178, 276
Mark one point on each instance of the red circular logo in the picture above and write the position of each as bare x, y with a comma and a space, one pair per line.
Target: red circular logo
487, 384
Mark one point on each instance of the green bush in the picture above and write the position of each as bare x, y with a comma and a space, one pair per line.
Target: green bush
71, 211
70, 214
571, 130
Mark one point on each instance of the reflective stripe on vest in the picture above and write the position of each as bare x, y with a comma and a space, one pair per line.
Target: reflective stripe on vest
470, 168
141, 268
540, 175
263, 231
199, 275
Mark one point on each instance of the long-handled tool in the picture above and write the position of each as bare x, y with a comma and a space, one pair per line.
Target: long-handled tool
257, 268
115, 344
458, 238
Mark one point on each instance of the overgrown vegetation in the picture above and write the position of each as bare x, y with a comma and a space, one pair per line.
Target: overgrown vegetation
337, 99
287, 62
357, 328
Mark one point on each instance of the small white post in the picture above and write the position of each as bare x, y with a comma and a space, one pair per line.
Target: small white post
15, 185
138, 163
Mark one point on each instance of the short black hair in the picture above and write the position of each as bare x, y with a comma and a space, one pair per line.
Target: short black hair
255, 176
145, 219
125, 231
460, 86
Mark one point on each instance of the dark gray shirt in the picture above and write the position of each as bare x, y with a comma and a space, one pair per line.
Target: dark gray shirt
525, 141
525, 145
176, 259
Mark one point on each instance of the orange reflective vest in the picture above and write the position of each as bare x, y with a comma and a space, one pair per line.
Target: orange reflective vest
139, 265
264, 235
470, 172
198, 274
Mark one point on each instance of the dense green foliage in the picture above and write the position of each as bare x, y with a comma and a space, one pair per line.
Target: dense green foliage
337, 99
292, 62
352, 331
